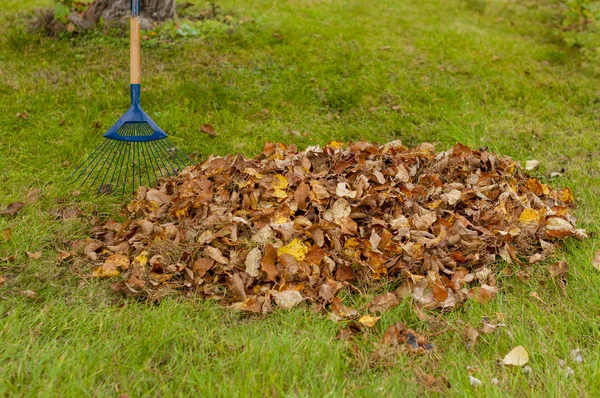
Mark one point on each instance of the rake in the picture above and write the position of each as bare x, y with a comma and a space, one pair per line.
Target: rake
136, 151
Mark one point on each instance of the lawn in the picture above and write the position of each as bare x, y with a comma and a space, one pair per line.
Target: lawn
306, 72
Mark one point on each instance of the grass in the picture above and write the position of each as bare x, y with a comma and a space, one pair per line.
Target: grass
482, 73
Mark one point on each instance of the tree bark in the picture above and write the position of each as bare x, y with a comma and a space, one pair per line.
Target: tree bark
116, 10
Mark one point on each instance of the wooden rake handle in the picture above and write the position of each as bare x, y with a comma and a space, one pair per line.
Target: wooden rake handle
134, 50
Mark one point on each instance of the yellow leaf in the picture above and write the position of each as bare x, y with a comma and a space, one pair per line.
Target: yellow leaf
529, 216
336, 144
252, 172
535, 186
518, 356
351, 243
280, 182
281, 220
279, 193
295, 248
566, 196
142, 259
369, 320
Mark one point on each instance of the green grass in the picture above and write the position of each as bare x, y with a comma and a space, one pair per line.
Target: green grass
457, 70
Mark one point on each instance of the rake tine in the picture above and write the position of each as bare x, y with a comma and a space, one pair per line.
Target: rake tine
156, 156
165, 156
89, 159
120, 167
95, 165
179, 156
108, 170
167, 152
186, 157
108, 160
126, 167
147, 159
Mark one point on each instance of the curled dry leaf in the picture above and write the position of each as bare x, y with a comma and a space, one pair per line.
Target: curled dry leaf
12, 208
518, 356
208, 129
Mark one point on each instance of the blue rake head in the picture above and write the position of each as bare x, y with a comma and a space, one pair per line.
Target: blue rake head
136, 152
135, 121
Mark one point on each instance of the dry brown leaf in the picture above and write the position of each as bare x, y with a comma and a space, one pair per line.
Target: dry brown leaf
207, 129
383, 303
253, 262
267, 263
215, 254
6, 234
28, 293
12, 208
34, 255
596, 260
558, 268
33, 195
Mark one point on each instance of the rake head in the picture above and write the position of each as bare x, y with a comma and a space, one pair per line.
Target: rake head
136, 152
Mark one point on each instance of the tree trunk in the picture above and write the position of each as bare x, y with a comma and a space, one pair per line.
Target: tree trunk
116, 10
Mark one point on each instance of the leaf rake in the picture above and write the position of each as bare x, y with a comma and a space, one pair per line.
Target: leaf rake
136, 151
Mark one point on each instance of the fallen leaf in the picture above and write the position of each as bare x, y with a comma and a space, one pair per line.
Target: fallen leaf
287, 299
34, 255
90, 250
557, 227
112, 266
596, 260
295, 248
369, 320
536, 296
343, 192
383, 303
471, 333
558, 268
518, 356
267, 263
28, 293
12, 208
215, 254
208, 129
6, 234
531, 165
33, 195
253, 262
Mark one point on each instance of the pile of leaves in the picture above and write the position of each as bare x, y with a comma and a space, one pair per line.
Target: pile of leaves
289, 226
